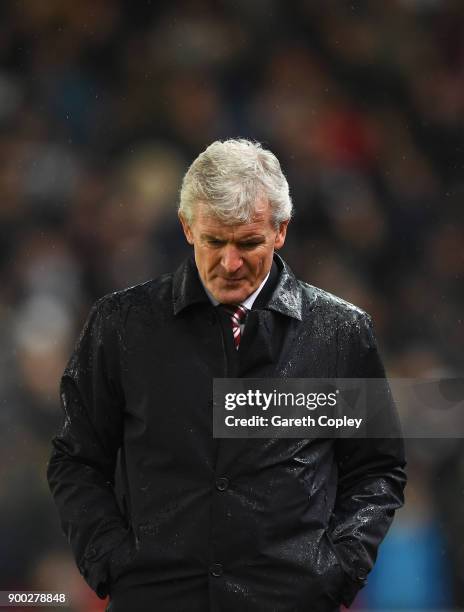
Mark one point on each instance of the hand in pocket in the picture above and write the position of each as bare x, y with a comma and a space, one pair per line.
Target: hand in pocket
121, 556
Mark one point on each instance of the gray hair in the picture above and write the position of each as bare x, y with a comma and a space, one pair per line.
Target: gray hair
230, 177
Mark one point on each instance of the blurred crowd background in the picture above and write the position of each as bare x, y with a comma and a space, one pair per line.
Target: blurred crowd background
103, 104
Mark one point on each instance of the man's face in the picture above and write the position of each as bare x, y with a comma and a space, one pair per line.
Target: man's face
233, 260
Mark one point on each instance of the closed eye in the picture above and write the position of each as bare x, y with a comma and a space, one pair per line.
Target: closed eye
249, 245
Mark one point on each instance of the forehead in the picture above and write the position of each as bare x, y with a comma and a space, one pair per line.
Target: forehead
207, 223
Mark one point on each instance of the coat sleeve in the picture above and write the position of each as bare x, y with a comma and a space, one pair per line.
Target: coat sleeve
371, 476
82, 464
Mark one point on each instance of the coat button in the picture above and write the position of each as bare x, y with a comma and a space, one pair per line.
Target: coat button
216, 570
222, 483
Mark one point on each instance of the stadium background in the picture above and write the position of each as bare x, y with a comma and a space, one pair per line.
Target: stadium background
102, 106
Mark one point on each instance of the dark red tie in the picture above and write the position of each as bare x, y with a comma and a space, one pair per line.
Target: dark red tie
237, 315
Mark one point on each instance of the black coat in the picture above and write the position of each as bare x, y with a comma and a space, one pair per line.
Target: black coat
189, 523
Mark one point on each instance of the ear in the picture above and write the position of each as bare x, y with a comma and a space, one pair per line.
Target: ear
281, 234
187, 229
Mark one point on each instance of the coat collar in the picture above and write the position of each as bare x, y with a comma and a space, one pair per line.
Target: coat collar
287, 299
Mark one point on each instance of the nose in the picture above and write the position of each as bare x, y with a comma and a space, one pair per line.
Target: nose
231, 259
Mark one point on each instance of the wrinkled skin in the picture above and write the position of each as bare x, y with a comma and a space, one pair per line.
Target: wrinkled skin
233, 260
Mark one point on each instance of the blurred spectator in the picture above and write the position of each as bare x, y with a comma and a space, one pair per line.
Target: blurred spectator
101, 104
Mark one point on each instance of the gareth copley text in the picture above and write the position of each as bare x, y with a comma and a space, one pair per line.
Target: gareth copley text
278, 421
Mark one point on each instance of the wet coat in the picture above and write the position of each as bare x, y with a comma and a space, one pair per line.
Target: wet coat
189, 523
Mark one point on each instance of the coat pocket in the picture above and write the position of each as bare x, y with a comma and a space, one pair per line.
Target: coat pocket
331, 570
121, 556
345, 588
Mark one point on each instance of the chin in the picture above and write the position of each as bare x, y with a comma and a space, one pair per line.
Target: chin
232, 296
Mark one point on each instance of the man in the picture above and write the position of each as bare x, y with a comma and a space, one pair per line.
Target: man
161, 515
